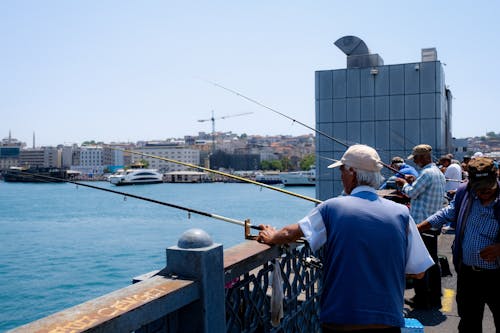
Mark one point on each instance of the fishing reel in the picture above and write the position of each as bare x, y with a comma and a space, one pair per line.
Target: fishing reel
312, 262
248, 233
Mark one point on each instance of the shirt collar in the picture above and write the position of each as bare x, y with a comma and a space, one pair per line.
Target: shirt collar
428, 165
363, 188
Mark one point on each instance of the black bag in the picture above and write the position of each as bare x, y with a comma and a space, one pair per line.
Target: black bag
445, 267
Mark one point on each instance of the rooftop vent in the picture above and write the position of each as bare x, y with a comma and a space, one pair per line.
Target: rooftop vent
358, 55
429, 54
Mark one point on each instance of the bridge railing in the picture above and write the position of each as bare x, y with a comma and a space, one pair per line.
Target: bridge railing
203, 289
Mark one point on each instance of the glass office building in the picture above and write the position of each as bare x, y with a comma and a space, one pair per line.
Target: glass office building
389, 107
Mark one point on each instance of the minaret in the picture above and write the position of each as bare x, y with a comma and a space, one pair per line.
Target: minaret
9, 137
33, 139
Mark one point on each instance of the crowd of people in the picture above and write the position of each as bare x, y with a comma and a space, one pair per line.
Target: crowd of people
371, 245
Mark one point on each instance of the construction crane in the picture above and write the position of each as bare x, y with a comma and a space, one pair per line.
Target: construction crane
213, 119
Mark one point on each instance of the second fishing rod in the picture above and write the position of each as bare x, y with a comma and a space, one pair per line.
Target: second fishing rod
220, 173
50, 179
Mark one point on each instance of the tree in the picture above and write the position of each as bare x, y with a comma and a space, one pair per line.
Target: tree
271, 165
307, 162
492, 135
286, 164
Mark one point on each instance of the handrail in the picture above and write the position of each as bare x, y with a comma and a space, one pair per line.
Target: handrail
123, 310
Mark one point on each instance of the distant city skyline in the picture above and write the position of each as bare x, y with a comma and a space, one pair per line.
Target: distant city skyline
126, 71
29, 144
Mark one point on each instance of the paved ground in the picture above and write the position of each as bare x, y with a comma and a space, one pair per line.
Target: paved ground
446, 319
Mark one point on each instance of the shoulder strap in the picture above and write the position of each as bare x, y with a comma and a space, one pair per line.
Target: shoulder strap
460, 194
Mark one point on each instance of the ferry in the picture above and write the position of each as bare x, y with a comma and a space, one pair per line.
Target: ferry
136, 177
187, 177
299, 178
268, 177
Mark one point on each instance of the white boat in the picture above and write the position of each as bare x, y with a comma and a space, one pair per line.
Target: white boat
299, 178
268, 177
136, 177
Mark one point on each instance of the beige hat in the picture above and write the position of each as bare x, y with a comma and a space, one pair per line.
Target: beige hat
360, 157
420, 150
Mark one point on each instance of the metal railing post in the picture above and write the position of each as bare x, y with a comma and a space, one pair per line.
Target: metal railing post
196, 257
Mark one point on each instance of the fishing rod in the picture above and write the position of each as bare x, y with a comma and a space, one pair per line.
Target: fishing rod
292, 119
246, 180
189, 210
276, 111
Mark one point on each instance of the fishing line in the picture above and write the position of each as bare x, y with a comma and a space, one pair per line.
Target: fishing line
189, 210
221, 174
276, 111
288, 117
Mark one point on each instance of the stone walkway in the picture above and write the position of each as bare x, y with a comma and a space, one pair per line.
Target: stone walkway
445, 319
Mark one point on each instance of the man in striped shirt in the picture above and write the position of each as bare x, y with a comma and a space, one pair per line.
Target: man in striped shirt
476, 248
427, 194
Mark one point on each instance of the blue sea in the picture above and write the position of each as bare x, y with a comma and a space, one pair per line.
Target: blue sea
63, 244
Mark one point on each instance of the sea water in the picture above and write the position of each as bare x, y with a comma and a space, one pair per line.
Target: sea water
62, 244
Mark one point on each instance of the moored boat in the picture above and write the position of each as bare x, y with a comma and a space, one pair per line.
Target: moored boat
299, 178
136, 177
268, 177
35, 175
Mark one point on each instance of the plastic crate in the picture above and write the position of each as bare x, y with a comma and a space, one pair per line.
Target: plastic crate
412, 325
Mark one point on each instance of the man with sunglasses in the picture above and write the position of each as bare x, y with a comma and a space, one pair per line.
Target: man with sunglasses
476, 248
369, 244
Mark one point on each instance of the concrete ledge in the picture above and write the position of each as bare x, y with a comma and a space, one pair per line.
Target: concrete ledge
123, 310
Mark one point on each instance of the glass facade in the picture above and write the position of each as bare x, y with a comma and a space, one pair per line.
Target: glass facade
391, 108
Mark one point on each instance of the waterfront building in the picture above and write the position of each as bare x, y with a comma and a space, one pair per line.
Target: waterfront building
10, 149
67, 155
179, 153
389, 107
89, 160
44, 157
460, 149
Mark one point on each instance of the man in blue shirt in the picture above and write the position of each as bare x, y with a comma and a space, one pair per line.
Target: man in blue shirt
427, 194
369, 244
476, 248
404, 169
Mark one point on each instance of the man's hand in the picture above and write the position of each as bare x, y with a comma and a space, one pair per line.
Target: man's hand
410, 179
400, 181
423, 226
266, 234
288, 234
490, 253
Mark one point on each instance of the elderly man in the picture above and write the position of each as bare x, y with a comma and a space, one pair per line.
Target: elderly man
369, 244
427, 195
404, 169
476, 248
452, 173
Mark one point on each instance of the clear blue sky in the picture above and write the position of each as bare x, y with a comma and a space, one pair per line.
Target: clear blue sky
129, 70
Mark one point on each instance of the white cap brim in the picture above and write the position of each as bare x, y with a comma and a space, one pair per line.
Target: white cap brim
336, 164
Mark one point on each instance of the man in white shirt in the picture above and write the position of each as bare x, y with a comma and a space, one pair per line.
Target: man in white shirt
453, 175
369, 244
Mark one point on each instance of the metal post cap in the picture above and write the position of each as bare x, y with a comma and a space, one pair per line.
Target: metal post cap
194, 239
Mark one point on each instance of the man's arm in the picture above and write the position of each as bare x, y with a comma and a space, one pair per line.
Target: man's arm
423, 226
288, 234
418, 259
417, 187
